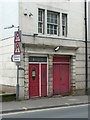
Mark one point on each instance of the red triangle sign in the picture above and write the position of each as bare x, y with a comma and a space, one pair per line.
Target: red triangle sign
17, 49
17, 37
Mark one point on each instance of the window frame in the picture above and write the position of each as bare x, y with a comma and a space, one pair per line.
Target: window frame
51, 23
64, 26
42, 22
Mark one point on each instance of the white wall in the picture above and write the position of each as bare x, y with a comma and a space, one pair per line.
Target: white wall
8, 17
76, 20
75, 11
7, 68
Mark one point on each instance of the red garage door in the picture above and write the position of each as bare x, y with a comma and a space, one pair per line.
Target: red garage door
61, 75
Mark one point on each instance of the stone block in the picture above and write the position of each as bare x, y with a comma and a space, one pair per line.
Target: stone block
26, 72
21, 82
26, 97
21, 93
26, 59
26, 64
26, 76
26, 85
21, 73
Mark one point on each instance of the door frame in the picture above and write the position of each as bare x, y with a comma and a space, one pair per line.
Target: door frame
40, 63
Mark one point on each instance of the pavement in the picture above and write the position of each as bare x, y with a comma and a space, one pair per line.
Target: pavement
42, 103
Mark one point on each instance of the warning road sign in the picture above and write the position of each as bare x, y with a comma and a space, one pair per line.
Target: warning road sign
17, 37
17, 46
17, 49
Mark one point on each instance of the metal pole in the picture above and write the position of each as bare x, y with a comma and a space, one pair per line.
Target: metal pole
17, 85
86, 60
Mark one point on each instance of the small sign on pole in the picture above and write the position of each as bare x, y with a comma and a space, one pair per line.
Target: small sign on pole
15, 58
17, 37
17, 49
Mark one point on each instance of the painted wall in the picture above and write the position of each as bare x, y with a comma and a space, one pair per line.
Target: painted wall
8, 17
73, 9
8, 68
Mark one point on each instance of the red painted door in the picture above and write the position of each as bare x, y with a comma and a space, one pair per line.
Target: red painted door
64, 79
43, 80
61, 75
33, 80
56, 79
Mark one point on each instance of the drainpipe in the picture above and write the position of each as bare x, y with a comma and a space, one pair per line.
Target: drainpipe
86, 60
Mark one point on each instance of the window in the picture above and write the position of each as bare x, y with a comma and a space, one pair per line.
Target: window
33, 74
64, 24
52, 23
40, 21
37, 59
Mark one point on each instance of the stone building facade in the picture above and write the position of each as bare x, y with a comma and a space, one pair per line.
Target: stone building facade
53, 40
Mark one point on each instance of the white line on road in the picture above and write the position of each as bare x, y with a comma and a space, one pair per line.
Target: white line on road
74, 106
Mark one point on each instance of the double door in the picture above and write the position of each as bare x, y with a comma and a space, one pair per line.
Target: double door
61, 78
37, 79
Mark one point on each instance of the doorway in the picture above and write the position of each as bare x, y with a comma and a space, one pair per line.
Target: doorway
61, 75
38, 77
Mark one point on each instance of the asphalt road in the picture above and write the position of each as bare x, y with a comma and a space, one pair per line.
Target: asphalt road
79, 111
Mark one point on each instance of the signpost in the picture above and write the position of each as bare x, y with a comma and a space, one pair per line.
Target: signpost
17, 54
17, 57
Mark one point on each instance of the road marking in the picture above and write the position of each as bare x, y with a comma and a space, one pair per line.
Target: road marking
66, 107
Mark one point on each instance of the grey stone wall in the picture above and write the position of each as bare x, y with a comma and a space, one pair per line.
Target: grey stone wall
26, 80
80, 67
50, 75
73, 74
21, 78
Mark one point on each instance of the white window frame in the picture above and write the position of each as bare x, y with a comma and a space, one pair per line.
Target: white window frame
64, 24
53, 24
42, 22
59, 24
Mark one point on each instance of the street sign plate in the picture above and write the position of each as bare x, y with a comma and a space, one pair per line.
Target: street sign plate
16, 58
